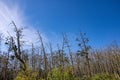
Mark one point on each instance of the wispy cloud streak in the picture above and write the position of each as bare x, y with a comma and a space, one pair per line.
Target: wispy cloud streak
15, 13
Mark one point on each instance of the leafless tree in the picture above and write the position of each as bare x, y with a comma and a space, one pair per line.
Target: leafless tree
84, 47
45, 57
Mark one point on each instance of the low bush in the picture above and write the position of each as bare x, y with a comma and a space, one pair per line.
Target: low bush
103, 77
26, 75
57, 74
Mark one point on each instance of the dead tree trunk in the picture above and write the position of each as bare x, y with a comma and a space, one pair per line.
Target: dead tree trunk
45, 57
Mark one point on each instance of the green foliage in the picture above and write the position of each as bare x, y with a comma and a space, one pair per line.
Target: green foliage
57, 74
26, 75
103, 77
85, 78
68, 76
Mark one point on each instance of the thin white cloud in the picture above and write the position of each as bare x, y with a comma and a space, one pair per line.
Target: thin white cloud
15, 13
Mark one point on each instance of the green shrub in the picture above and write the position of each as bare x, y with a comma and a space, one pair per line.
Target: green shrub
27, 75
103, 77
85, 78
57, 74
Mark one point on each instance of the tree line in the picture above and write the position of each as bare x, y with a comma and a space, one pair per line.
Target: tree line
37, 63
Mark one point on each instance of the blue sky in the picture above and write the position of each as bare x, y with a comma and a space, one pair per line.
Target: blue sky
100, 19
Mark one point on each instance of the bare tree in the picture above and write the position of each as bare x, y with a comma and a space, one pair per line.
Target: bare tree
15, 45
45, 57
67, 45
84, 47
